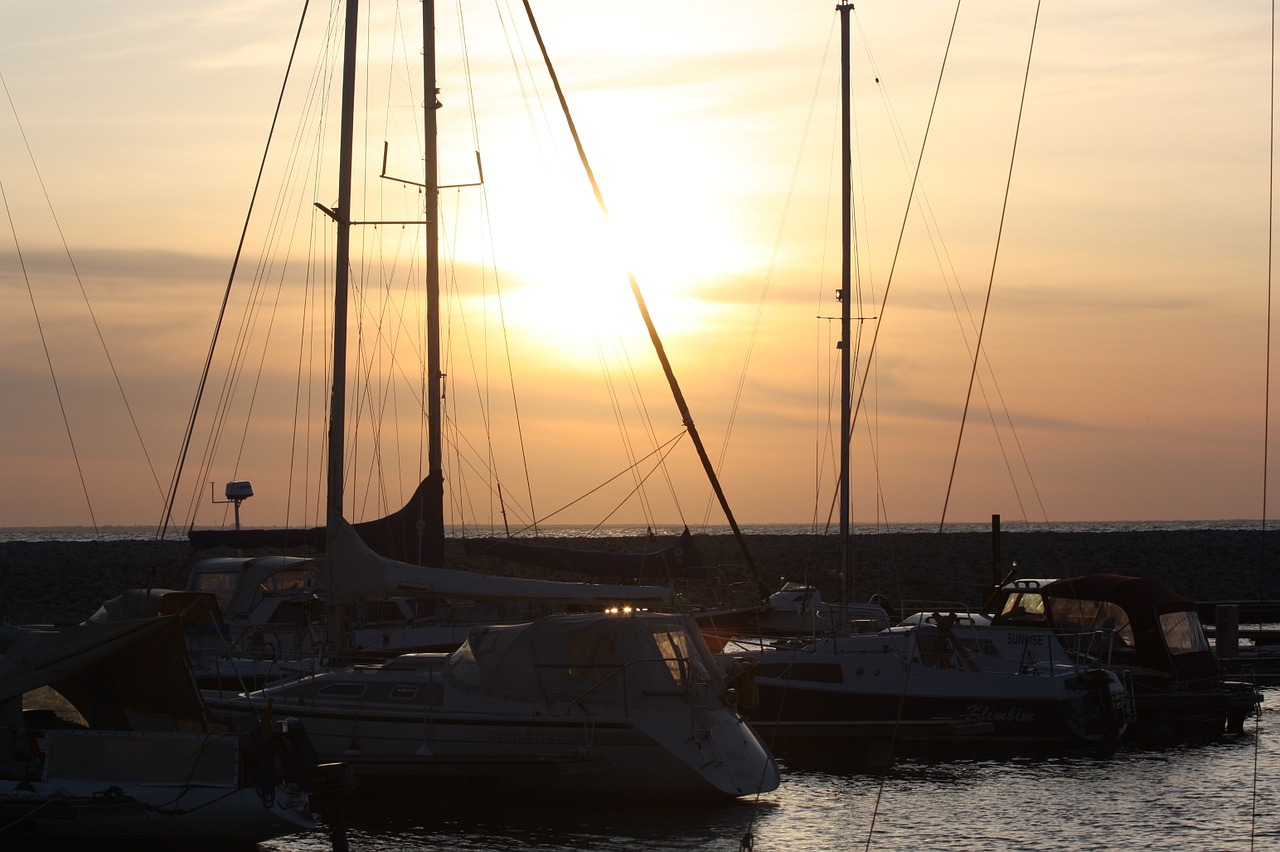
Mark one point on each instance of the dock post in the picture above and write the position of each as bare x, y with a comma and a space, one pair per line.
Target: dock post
997, 561
1227, 630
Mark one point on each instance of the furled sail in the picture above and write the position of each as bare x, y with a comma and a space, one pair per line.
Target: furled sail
406, 535
360, 574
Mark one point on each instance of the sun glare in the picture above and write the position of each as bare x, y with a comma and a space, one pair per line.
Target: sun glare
565, 271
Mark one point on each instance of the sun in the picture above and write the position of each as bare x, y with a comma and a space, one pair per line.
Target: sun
566, 277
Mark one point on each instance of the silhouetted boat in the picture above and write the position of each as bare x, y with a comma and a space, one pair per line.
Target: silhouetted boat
1146, 633
104, 735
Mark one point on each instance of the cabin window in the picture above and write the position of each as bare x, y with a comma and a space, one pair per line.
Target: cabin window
1023, 607
286, 581
677, 652
221, 585
403, 693
1182, 633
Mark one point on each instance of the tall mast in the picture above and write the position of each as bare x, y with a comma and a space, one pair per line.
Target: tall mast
342, 267
341, 275
432, 519
846, 303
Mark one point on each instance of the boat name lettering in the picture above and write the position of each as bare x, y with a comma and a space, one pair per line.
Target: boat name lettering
987, 713
1024, 639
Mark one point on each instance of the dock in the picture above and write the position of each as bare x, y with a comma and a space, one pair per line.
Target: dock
1259, 661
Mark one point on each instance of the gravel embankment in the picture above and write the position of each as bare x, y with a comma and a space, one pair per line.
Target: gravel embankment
65, 582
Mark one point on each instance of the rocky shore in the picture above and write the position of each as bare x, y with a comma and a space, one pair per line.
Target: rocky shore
65, 582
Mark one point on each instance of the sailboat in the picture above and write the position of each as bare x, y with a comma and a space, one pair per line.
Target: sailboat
274, 607
912, 686
106, 737
618, 702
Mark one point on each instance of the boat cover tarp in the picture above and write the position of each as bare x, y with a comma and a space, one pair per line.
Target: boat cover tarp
1145, 600
597, 658
403, 535
680, 560
125, 757
106, 671
360, 574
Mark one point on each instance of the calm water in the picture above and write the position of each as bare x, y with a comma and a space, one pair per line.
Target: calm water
1206, 797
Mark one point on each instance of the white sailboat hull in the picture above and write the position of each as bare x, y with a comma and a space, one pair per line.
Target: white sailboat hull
630, 725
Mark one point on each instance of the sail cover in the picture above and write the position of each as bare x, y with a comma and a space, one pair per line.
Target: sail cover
357, 572
405, 535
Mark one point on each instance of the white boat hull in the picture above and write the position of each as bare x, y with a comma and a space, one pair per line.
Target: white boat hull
571, 704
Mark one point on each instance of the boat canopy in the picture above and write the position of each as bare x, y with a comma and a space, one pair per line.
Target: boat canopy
117, 675
1158, 624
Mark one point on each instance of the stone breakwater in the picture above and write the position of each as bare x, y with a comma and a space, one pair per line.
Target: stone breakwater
65, 582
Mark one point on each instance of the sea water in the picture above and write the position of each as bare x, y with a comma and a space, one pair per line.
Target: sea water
1223, 796
141, 533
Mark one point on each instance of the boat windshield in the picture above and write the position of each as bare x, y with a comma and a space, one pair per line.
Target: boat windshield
1079, 615
1182, 632
221, 584
676, 649
1023, 607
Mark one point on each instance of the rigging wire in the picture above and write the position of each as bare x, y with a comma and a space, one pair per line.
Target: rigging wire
884, 298
321, 84
75, 271
754, 333
659, 350
204, 375
621, 362
995, 257
615, 403
661, 452
950, 278
1266, 395
48, 358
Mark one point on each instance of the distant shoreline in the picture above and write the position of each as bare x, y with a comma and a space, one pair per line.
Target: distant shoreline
61, 582
73, 532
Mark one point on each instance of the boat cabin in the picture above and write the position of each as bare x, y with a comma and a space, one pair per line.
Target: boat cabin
1136, 622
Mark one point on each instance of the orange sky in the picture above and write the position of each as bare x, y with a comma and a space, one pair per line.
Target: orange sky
1125, 342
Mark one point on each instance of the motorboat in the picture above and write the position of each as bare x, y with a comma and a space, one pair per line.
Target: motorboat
921, 685
104, 735
1141, 630
603, 704
849, 677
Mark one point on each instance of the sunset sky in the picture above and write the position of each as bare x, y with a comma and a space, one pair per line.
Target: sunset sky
1123, 368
